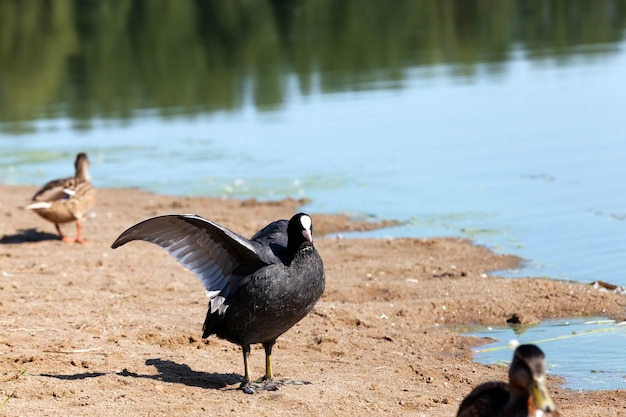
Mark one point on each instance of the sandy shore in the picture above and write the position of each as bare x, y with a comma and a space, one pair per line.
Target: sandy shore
89, 331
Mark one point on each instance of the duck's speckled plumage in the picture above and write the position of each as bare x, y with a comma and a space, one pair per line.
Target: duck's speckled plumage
258, 288
66, 200
525, 395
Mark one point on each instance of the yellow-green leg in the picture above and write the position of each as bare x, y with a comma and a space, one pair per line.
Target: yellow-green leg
266, 383
247, 386
268, 360
246, 367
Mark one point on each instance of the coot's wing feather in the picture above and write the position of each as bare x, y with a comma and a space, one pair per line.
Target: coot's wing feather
275, 231
215, 254
272, 241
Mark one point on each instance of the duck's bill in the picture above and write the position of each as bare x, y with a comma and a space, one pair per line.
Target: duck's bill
540, 397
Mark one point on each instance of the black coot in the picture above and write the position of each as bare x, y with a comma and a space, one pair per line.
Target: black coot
258, 288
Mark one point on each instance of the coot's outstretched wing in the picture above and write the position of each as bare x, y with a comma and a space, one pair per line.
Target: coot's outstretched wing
217, 255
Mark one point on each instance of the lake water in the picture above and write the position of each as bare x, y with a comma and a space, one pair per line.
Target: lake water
505, 126
571, 348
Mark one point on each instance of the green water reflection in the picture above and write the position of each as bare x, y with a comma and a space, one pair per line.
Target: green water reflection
86, 59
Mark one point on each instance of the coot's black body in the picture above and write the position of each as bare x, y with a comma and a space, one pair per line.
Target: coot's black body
258, 288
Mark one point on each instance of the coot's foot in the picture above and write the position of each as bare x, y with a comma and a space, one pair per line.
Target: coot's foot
261, 384
267, 384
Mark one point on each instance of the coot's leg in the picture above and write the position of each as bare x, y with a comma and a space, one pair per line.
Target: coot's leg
268, 360
265, 383
246, 385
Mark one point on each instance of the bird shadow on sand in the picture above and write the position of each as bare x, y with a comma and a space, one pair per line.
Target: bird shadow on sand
28, 235
170, 372
176, 373
74, 377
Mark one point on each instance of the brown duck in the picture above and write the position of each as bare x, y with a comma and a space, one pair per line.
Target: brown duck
525, 395
67, 199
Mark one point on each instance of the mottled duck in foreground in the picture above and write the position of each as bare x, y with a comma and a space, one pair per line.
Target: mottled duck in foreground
258, 288
525, 395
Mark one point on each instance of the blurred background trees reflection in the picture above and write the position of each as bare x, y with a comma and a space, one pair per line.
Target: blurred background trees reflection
86, 59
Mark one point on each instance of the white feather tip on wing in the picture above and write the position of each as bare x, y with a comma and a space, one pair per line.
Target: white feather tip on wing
39, 205
217, 304
212, 294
